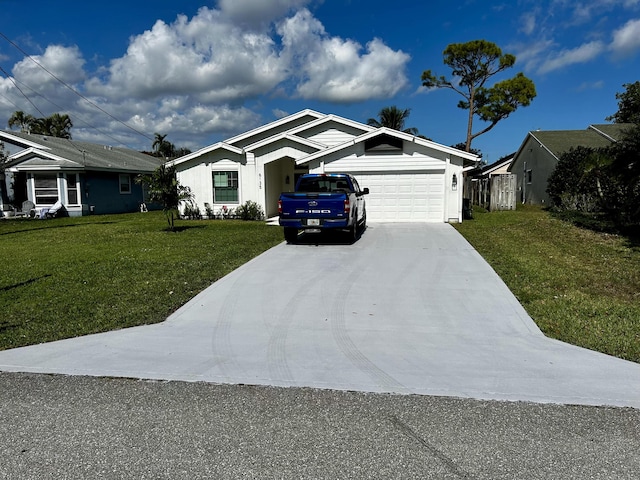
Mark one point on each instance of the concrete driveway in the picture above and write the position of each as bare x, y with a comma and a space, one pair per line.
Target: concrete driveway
409, 308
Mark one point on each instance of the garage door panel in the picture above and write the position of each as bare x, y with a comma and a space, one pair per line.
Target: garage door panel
404, 197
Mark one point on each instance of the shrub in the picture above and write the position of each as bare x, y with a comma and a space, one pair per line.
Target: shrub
192, 211
573, 185
249, 210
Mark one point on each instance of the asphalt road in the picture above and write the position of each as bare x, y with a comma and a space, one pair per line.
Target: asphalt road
55, 426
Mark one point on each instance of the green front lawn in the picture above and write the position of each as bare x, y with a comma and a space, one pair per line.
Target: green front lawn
579, 286
74, 276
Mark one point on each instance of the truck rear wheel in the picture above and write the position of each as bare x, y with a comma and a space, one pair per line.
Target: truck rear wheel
290, 234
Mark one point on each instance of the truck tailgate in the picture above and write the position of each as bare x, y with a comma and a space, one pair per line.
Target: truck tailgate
313, 206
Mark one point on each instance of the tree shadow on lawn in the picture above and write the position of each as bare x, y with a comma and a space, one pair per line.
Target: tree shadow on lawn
602, 224
182, 228
22, 284
50, 227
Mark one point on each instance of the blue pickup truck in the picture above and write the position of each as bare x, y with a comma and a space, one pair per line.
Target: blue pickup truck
323, 201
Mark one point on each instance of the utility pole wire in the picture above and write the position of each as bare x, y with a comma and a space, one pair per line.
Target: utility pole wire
12, 80
16, 81
72, 89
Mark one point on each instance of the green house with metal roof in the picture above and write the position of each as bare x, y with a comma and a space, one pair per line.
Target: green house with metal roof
87, 178
537, 157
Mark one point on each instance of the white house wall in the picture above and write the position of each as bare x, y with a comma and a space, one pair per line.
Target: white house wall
198, 175
397, 176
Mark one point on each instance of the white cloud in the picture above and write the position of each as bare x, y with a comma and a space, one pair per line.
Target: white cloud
207, 58
528, 21
626, 40
530, 55
66, 63
585, 86
564, 58
194, 76
336, 70
279, 113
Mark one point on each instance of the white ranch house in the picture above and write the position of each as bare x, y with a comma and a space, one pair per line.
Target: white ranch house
410, 179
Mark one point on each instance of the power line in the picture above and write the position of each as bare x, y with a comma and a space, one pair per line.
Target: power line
72, 89
12, 80
15, 81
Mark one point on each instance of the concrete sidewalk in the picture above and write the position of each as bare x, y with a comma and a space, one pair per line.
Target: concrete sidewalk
409, 308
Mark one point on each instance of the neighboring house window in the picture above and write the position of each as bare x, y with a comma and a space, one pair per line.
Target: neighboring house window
46, 188
529, 176
125, 183
72, 189
225, 187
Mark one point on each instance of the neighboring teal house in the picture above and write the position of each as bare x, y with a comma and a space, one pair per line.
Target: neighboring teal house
86, 178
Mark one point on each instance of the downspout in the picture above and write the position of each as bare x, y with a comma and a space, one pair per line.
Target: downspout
447, 187
524, 182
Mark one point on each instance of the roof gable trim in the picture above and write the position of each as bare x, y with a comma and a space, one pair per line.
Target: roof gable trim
285, 136
390, 133
204, 151
274, 124
23, 142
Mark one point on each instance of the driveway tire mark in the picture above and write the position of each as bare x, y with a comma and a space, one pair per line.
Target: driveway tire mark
277, 347
347, 345
222, 349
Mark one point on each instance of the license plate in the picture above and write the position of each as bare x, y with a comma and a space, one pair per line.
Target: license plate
313, 221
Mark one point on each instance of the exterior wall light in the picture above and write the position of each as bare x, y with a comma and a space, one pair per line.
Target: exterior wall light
454, 182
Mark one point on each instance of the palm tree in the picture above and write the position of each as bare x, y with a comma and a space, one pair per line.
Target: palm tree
162, 147
22, 120
165, 189
56, 125
157, 142
60, 125
393, 117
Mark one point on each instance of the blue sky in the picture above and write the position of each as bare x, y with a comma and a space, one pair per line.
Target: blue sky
202, 71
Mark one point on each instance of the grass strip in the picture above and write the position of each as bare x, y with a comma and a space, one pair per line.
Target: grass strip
579, 286
67, 277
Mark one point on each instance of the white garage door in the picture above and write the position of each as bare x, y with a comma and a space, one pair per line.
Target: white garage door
404, 197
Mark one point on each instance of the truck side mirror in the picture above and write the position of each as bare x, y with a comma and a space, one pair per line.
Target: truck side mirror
365, 191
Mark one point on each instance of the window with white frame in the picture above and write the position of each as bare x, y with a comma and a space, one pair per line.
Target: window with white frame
73, 189
45, 188
225, 187
125, 183
529, 176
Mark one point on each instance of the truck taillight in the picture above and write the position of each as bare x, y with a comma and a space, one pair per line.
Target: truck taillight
347, 206
279, 207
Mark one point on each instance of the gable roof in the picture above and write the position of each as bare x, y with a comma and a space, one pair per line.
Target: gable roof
41, 151
204, 151
332, 118
288, 128
560, 141
489, 169
293, 127
285, 136
273, 128
388, 132
557, 142
613, 131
